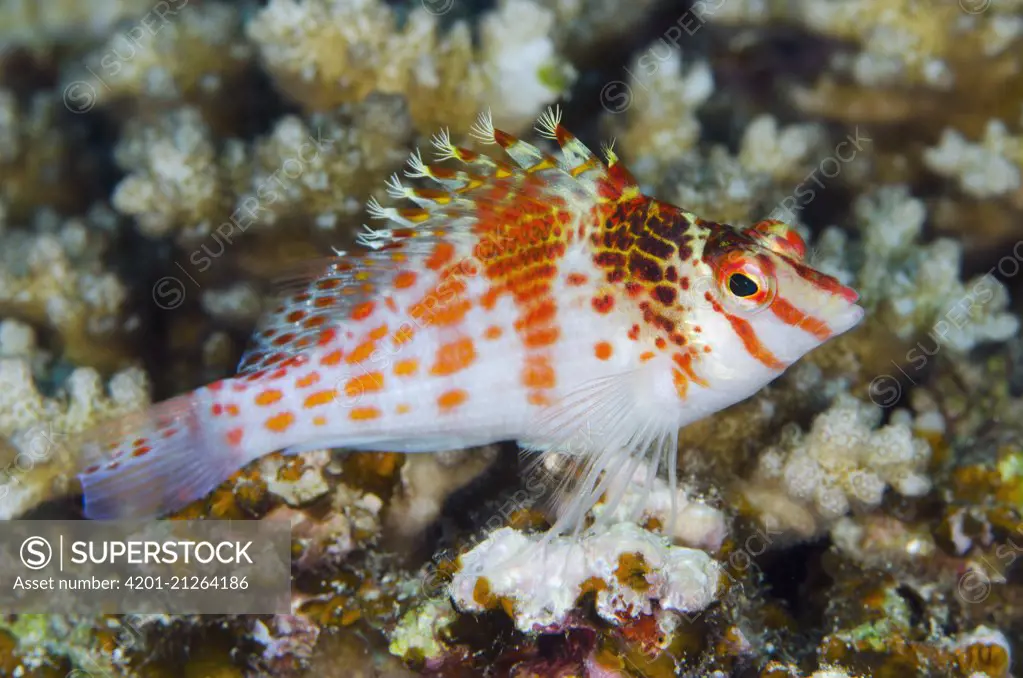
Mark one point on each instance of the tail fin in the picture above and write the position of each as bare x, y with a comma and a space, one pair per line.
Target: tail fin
150, 463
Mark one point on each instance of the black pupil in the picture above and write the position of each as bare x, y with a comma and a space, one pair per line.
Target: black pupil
742, 286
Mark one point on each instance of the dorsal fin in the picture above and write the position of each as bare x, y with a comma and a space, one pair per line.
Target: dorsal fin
321, 294
577, 174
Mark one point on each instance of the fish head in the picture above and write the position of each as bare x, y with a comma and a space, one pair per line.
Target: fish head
765, 302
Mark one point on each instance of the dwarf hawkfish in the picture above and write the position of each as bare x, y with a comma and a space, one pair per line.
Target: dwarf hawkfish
541, 298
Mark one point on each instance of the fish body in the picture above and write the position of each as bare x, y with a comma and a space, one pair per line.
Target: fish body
537, 298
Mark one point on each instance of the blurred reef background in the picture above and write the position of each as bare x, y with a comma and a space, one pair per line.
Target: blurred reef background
160, 160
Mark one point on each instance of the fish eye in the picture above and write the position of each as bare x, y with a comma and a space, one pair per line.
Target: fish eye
745, 282
742, 285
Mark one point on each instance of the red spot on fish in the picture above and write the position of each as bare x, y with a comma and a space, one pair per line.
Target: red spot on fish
604, 303
363, 310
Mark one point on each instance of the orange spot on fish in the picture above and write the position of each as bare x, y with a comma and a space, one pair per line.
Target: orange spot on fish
685, 363
544, 337
451, 399
681, 383
378, 333
443, 253
576, 279
319, 398
280, 422
403, 335
538, 373
454, 357
364, 413
269, 397
406, 368
404, 279
319, 420
603, 350
232, 410
332, 358
403, 409
646, 356
361, 352
539, 399
493, 332
364, 383
139, 451
217, 409
452, 313
234, 436
307, 380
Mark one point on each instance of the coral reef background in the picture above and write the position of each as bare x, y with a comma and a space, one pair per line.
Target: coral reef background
162, 160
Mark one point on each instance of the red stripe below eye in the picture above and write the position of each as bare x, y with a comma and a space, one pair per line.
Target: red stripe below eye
747, 336
749, 339
790, 315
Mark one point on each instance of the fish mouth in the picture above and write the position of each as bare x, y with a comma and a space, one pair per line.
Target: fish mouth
849, 318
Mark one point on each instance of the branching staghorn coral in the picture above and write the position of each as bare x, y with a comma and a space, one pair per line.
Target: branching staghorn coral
39, 25
914, 288
905, 42
988, 168
321, 170
170, 54
323, 53
314, 172
175, 178
55, 276
653, 113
